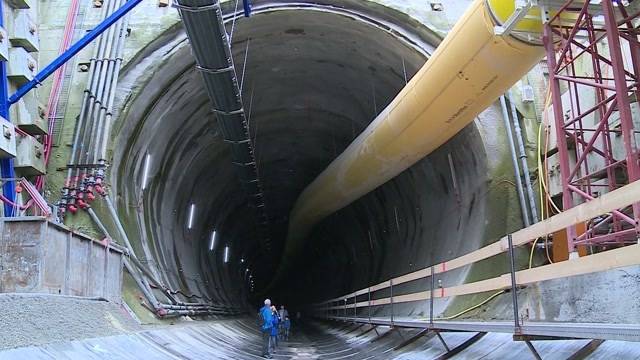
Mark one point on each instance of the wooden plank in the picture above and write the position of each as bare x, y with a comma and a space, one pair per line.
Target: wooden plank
497, 283
417, 296
383, 301
486, 252
611, 259
382, 285
608, 260
606, 203
420, 274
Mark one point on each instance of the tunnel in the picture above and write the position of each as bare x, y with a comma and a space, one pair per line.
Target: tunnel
395, 217
313, 77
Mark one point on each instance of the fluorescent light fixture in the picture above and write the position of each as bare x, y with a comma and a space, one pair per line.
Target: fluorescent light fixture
145, 172
192, 212
226, 254
213, 241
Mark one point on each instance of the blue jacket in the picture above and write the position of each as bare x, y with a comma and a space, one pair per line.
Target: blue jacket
287, 324
267, 318
274, 327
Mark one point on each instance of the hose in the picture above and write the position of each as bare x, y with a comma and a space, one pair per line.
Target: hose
473, 307
542, 174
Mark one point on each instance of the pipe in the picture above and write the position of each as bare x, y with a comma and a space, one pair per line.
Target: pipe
470, 69
104, 89
143, 285
514, 160
6, 165
73, 50
102, 154
523, 159
79, 180
69, 190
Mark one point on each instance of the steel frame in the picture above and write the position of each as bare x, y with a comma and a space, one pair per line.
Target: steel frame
587, 159
6, 166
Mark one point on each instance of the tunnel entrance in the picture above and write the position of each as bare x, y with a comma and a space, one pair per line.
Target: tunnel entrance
312, 79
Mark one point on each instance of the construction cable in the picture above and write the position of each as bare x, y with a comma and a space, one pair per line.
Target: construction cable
542, 174
483, 302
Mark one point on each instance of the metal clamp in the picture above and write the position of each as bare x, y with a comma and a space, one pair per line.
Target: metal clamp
194, 9
223, 70
521, 10
232, 112
245, 141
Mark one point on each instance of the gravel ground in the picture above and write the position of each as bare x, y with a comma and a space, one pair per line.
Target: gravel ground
30, 319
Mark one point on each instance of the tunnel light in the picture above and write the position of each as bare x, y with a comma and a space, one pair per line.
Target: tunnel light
192, 212
212, 243
226, 254
145, 171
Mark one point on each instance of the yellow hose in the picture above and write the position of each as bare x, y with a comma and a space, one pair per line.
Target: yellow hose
542, 186
473, 307
466, 74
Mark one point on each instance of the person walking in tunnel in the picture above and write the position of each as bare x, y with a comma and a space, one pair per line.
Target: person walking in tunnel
284, 313
286, 325
275, 326
266, 316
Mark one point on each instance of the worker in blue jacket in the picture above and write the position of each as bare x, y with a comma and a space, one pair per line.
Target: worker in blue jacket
266, 317
274, 328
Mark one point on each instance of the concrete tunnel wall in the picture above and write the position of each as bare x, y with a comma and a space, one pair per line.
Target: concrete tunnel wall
315, 77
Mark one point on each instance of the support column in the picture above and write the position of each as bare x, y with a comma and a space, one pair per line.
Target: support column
624, 107
563, 151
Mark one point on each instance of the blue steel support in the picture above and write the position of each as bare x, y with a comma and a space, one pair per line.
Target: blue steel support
73, 50
6, 165
247, 7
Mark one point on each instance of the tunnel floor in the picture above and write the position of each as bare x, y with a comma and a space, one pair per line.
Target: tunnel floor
240, 339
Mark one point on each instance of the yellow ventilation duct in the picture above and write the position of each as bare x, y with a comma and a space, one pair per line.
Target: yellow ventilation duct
470, 69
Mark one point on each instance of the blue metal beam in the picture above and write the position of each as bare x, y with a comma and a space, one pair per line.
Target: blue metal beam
73, 50
6, 165
247, 7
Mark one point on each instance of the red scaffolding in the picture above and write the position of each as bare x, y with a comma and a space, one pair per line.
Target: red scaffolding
593, 62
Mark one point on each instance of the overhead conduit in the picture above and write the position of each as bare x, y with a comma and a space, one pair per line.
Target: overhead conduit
206, 32
471, 68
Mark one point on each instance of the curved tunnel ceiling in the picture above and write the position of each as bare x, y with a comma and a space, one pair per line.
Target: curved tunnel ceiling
314, 78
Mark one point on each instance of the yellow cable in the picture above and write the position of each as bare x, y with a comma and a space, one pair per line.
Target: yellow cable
473, 307
542, 186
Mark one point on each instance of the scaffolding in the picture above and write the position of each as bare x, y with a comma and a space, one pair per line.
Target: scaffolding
593, 64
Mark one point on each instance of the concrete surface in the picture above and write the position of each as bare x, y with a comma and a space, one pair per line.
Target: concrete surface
38, 319
239, 339
37, 256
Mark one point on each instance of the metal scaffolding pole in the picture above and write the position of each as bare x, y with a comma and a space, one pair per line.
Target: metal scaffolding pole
586, 57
